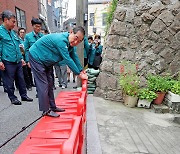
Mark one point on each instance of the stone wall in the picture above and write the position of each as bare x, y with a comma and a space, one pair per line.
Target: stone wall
146, 32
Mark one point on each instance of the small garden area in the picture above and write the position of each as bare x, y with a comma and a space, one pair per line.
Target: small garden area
156, 90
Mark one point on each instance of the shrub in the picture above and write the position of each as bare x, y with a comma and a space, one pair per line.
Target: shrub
158, 83
110, 14
176, 88
129, 80
147, 94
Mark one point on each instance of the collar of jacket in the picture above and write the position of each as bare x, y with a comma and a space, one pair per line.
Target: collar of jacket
36, 35
67, 36
7, 31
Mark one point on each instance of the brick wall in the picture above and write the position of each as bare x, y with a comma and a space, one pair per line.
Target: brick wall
29, 6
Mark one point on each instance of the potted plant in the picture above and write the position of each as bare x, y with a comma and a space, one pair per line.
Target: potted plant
146, 96
129, 82
159, 85
174, 92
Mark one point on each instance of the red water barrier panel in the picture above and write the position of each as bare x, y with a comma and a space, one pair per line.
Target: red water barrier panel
62, 135
73, 93
57, 136
70, 100
75, 108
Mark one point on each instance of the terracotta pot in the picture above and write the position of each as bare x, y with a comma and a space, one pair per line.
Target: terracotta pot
160, 97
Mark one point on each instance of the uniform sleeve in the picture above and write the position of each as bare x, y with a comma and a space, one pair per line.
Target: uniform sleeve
99, 50
75, 58
92, 54
63, 49
26, 48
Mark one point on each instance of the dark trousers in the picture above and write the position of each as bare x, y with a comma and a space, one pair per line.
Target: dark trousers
44, 84
30, 75
85, 61
91, 66
12, 71
27, 77
1, 78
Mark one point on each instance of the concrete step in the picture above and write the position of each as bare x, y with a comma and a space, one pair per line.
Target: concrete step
161, 108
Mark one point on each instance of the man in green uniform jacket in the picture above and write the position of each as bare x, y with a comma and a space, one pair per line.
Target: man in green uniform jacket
95, 55
11, 58
46, 52
30, 39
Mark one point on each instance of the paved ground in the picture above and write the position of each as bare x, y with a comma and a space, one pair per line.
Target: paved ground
13, 118
112, 128
124, 130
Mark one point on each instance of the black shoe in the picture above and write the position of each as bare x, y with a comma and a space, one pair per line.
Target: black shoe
16, 102
75, 87
33, 85
52, 114
5, 90
58, 109
54, 88
74, 81
27, 99
60, 85
68, 80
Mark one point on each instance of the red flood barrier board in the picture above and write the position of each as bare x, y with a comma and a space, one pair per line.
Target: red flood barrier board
35, 144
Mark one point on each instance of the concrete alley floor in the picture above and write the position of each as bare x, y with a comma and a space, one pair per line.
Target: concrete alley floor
123, 130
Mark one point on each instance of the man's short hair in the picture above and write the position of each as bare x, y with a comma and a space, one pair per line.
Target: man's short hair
90, 38
79, 28
36, 21
7, 14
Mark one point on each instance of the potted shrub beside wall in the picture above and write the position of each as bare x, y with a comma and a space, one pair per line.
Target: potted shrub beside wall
129, 82
159, 85
174, 93
146, 96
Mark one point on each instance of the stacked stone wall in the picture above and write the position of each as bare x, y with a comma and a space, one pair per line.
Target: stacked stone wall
146, 32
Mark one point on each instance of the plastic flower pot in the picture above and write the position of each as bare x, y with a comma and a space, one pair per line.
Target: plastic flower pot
130, 101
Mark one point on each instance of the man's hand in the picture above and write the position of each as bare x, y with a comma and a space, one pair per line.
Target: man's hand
83, 75
2, 67
23, 62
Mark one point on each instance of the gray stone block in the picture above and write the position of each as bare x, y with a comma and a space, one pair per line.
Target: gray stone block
160, 108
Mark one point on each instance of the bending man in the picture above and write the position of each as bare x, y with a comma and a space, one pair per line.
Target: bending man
45, 53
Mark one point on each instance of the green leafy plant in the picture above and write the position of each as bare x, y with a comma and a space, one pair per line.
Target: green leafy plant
110, 14
176, 88
147, 94
158, 83
129, 80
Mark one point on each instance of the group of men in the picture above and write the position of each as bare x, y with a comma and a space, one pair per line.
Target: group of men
41, 53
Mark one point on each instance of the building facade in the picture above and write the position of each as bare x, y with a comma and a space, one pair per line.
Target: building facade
24, 11
57, 12
97, 13
43, 13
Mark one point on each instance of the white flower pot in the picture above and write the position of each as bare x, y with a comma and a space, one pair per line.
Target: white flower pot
173, 97
144, 103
